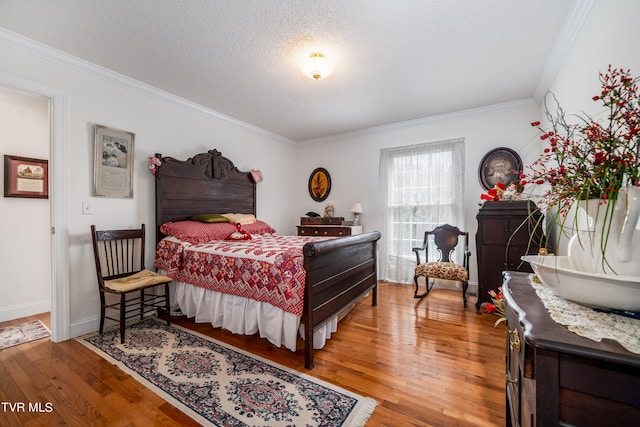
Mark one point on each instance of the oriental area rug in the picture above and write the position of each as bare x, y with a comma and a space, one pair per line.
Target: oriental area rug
22, 333
220, 385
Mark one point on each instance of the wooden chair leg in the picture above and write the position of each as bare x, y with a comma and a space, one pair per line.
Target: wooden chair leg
141, 304
167, 304
465, 285
102, 312
123, 308
428, 288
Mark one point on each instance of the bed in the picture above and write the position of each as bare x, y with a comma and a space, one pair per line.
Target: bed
335, 272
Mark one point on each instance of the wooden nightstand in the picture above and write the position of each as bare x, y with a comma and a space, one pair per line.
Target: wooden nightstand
329, 230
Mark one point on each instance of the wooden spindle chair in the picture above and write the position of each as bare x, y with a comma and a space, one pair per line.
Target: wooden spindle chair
120, 269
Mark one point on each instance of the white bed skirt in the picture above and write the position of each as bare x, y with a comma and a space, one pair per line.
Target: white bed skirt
245, 316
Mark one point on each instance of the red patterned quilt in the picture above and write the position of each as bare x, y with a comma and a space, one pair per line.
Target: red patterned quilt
267, 268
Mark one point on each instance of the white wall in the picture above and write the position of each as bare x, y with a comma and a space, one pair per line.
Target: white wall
353, 160
25, 255
609, 35
169, 128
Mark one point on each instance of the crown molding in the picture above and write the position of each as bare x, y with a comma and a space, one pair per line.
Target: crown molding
578, 15
522, 103
48, 53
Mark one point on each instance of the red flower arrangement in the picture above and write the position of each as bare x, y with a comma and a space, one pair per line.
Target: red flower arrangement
498, 307
494, 194
591, 159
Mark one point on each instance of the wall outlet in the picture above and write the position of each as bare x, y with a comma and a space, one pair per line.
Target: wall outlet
87, 208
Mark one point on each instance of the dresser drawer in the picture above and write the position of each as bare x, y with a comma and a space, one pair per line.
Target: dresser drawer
324, 231
606, 381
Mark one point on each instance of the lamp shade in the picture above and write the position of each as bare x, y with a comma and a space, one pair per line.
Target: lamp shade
316, 66
356, 208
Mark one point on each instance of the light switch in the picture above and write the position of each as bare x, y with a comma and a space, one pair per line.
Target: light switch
87, 208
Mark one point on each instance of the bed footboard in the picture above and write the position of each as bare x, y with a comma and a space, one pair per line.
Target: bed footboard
339, 271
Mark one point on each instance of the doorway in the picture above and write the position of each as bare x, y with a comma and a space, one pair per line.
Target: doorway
26, 254
59, 275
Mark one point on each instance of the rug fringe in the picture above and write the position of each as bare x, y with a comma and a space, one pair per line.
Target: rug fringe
366, 407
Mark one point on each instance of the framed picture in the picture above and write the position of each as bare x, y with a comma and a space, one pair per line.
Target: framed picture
319, 184
499, 165
26, 177
113, 163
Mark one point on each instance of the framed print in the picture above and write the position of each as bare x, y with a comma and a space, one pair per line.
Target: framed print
113, 163
499, 165
26, 177
319, 184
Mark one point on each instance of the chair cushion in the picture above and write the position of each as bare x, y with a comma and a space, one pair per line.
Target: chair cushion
138, 280
442, 270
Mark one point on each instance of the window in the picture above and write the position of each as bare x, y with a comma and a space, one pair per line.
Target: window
421, 187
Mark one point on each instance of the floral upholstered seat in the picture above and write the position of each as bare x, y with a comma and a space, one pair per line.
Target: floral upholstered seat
446, 238
443, 270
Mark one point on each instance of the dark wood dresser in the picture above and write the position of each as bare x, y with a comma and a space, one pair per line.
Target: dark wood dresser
329, 230
506, 231
555, 377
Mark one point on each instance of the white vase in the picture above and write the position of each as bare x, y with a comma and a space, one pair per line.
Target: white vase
611, 243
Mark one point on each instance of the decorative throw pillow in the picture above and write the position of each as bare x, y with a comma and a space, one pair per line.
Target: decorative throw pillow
258, 227
196, 231
239, 234
210, 218
200, 232
243, 219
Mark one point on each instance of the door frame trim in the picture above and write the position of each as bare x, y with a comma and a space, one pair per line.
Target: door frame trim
58, 182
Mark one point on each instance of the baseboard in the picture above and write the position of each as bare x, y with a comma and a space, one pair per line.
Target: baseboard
88, 326
24, 310
472, 289
83, 327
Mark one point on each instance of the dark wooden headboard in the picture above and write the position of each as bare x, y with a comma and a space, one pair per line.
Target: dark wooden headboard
205, 183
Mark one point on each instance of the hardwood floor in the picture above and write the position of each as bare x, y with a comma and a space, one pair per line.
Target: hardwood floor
427, 362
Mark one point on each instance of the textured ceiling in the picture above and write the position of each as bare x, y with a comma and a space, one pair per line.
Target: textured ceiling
395, 60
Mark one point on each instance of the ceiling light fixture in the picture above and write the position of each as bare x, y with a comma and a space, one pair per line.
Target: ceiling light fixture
316, 66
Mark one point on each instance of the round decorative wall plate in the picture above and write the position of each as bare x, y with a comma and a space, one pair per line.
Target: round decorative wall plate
499, 165
319, 184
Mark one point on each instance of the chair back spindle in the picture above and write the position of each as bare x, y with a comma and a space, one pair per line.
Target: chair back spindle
120, 252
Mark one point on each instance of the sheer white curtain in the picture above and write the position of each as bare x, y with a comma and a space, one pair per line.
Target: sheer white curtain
421, 187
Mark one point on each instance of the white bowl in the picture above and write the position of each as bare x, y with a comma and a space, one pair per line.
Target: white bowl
593, 289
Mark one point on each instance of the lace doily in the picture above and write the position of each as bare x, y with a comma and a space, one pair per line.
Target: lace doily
589, 323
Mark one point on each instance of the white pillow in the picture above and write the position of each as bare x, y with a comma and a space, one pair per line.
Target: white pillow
242, 219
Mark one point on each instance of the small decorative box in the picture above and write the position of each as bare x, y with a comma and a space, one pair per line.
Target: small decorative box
307, 220
332, 220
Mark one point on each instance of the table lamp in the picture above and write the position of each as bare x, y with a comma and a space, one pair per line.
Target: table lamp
356, 210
